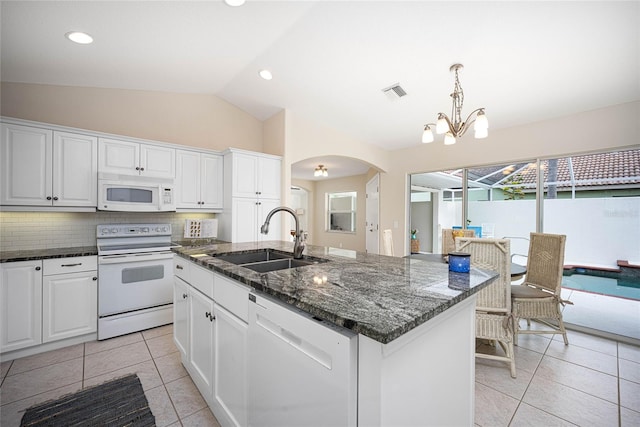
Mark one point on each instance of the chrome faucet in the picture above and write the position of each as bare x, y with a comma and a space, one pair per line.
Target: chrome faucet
298, 245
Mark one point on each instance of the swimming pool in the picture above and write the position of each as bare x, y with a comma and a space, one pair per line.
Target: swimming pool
604, 283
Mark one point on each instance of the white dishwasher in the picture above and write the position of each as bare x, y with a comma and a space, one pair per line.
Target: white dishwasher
302, 371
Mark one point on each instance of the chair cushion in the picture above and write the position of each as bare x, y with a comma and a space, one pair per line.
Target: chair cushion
522, 291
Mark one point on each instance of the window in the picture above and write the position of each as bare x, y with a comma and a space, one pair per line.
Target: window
341, 212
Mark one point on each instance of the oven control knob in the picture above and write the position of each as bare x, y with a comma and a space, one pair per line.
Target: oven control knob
145, 229
114, 230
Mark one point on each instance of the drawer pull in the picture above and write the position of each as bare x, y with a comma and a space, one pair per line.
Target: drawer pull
184, 296
37, 268
95, 278
71, 265
179, 267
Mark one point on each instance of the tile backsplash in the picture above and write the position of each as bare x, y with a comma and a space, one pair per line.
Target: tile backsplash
43, 230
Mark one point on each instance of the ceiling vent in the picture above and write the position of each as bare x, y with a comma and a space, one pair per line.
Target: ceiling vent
394, 91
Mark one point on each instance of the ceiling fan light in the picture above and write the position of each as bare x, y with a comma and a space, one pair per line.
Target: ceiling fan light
449, 139
427, 135
441, 125
481, 121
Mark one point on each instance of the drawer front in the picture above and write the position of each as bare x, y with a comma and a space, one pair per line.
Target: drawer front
232, 296
202, 280
69, 265
182, 268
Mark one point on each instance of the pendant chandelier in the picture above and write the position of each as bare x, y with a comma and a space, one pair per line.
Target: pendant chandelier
456, 128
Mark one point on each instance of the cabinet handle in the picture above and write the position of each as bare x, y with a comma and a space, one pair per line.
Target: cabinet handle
71, 265
48, 197
95, 278
55, 197
141, 169
179, 267
137, 168
184, 296
37, 268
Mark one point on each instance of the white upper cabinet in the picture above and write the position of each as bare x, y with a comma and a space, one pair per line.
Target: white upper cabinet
134, 158
252, 189
41, 167
199, 180
255, 176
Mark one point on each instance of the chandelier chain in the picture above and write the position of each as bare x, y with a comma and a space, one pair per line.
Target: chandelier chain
458, 100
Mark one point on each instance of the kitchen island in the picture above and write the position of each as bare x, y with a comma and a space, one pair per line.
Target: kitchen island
412, 358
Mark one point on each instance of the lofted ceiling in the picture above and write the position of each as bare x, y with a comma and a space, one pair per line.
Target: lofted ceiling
524, 61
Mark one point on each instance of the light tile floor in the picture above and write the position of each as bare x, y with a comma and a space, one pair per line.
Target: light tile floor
594, 381
173, 398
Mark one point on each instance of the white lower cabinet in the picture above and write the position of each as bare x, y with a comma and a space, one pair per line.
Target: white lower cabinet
47, 300
69, 297
211, 336
201, 331
230, 380
20, 305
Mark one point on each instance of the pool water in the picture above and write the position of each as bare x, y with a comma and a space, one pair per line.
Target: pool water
621, 287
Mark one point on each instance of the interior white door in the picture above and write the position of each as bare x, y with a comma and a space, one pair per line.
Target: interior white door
372, 215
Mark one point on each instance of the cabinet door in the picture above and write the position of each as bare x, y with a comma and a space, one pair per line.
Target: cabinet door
269, 173
211, 181
201, 333
245, 226
75, 170
181, 316
69, 305
230, 389
188, 179
244, 175
121, 157
156, 161
20, 305
26, 166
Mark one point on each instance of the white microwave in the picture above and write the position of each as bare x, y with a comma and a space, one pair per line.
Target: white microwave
126, 193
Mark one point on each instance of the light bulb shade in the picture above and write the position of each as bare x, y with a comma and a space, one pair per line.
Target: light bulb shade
449, 139
427, 135
481, 122
441, 125
317, 172
480, 133
325, 173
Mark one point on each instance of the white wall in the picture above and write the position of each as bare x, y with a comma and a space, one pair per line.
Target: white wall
600, 231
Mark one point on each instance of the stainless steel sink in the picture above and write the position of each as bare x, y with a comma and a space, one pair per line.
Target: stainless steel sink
265, 260
254, 256
278, 264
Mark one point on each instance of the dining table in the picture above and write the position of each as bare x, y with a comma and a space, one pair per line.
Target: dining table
517, 270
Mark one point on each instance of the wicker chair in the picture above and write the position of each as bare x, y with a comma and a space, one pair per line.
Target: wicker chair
494, 320
449, 236
538, 297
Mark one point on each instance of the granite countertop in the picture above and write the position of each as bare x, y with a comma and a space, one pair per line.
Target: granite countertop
378, 296
37, 254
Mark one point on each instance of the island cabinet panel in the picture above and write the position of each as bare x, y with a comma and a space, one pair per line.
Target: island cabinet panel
201, 334
230, 379
427, 374
181, 316
212, 337
301, 372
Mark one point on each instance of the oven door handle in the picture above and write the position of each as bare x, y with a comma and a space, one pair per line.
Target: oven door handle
120, 259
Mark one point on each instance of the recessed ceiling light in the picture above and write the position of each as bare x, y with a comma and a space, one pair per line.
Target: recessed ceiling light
266, 74
234, 3
79, 37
